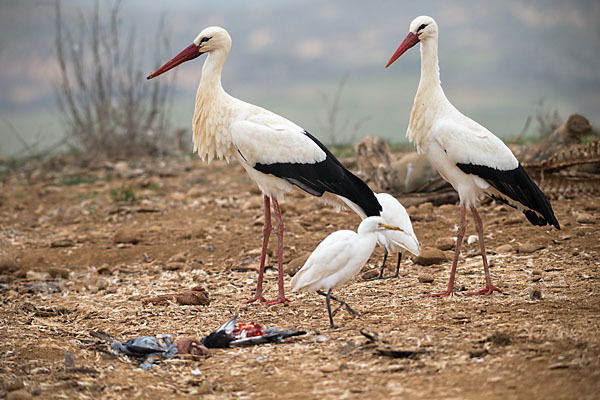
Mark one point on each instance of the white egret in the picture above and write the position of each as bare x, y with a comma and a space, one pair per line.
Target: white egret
339, 257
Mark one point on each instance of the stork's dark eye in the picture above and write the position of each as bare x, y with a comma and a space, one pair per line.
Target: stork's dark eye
205, 39
421, 27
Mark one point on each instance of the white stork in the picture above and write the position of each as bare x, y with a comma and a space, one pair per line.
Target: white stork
466, 154
275, 152
394, 241
339, 257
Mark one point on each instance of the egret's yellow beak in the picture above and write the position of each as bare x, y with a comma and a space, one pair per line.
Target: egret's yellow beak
392, 227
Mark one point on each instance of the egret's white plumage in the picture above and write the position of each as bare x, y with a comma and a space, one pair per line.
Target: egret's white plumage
339, 257
395, 241
395, 214
276, 153
466, 154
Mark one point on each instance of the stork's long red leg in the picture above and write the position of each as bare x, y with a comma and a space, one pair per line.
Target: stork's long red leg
261, 270
489, 288
280, 296
459, 240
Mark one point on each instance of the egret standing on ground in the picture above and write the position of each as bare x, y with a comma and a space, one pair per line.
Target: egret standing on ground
275, 152
394, 241
466, 154
339, 257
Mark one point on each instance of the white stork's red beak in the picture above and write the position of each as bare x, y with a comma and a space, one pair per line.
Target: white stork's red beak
409, 41
189, 53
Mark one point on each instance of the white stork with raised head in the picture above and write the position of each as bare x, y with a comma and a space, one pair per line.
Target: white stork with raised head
275, 152
466, 154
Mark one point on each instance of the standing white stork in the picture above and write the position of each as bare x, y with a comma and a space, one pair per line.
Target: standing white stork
339, 257
466, 154
275, 152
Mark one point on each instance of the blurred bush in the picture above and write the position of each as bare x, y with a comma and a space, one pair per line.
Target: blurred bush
108, 107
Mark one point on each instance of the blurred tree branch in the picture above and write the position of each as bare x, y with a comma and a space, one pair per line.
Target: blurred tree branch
339, 132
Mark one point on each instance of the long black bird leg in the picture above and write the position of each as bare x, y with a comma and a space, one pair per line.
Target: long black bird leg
328, 302
397, 274
341, 302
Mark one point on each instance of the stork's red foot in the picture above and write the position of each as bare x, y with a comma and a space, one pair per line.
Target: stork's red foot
443, 294
486, 290
257, 298
278, 300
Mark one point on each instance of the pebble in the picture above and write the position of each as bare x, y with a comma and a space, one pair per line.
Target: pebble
370, 274
14, 385
104, 269
127, 235
321, 339
56, 272
585, 218
444, 243
155, 229
69, 360
7, 263
447, 207
327, 368
66, 242
527, 248
536, 275
18, 395
471, 239
560, 365
512, 221
195, 192
591, 206
178, 196
178, 258
425, 278
426, 207
430, 256
174, 266
504, 249
294, 265
34, 276
535, 292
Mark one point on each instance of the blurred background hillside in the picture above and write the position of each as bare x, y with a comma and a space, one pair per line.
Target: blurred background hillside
499, 59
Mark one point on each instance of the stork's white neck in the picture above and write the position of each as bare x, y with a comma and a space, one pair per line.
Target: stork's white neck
212, 68
430, 97
210, 124
430, 69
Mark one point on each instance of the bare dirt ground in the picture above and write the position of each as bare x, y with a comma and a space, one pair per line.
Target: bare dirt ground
76, 260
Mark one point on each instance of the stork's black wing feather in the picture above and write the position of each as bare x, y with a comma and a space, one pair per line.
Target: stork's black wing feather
328, 175
517, 186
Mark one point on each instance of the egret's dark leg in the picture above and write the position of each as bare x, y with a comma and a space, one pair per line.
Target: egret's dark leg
397, 274
341, 302
261, 270
280, 296
459, 240
489, 288
328, 302
385, 254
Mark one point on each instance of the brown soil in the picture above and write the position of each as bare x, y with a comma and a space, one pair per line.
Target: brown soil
195, 224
